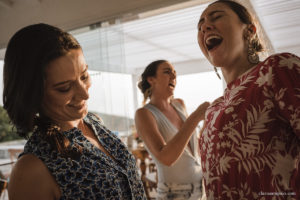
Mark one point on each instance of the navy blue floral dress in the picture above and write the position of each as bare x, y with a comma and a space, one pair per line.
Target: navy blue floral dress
94, 175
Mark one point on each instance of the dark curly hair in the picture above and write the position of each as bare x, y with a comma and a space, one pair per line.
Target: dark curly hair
245, 18
28, 53
149, 71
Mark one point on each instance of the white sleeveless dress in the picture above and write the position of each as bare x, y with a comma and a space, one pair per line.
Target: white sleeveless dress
183, 179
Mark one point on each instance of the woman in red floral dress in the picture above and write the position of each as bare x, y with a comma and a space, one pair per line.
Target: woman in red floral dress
250, 147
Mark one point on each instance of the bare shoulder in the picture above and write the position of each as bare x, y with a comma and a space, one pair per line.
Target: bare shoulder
30, 179
142, 112
180, 101
144, 118
28, 166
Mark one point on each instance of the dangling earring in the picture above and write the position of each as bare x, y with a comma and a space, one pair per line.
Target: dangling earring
217, 73
252, 55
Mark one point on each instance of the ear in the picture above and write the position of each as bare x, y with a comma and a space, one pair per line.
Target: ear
249, 31
252, 28
150, 80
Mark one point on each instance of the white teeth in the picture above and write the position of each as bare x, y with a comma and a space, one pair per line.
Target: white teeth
208, 39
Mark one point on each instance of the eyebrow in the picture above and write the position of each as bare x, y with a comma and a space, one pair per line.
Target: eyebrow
210, 14
166, 68
64, 82
169, 69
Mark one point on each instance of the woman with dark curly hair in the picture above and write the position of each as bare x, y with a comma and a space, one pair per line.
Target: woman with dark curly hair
169, 134
250, 147
69, 153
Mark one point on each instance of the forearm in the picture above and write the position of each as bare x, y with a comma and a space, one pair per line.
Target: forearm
173, 149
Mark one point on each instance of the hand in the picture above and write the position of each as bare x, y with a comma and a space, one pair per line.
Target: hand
200, 111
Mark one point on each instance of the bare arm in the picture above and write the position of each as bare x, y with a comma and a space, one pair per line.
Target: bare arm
30, 179
167, 152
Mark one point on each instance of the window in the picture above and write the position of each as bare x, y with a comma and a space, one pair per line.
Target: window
194, 89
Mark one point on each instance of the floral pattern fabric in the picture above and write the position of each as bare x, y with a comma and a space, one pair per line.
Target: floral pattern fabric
94, 175
250, 148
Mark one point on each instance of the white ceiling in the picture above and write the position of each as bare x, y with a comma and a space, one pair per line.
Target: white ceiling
127, 46
173, 35
281, 20
68, 14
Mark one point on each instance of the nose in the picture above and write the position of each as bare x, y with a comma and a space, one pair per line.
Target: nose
82, 91
173, 75
206, 26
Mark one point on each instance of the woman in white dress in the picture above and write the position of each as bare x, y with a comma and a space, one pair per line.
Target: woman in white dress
169, 135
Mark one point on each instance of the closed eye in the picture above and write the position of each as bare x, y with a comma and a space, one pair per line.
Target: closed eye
199, 27
200, 24
85, 77
64, 89
170, 72
212, 16
216, 17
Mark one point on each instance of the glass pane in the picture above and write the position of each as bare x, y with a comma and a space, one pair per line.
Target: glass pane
111, 96
197, 88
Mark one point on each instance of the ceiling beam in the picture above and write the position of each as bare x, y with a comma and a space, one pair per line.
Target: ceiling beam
2, 53
64, 14
172, 8
6, 3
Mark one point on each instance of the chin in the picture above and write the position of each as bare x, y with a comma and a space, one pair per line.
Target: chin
217, 62
83, 114
80, 115
171, 93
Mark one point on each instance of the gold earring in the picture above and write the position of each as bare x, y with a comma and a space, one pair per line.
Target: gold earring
252, 55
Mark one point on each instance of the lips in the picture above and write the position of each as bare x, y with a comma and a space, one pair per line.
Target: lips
212, 41
172, 85
78, 106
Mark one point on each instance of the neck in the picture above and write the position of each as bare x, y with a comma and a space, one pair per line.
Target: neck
232, 72
161, 103
70, 124
82, 127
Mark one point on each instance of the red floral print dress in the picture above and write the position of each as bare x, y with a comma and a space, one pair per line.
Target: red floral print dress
250, 148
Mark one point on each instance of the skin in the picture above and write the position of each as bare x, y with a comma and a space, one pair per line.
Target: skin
65, 102
231, 55
162, 92
66, 90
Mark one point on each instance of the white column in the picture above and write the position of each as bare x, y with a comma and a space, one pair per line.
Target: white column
135, 79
